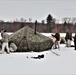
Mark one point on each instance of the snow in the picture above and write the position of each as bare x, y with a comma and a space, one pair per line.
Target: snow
22, 63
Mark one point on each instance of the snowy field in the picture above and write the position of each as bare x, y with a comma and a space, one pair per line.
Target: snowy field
22, 63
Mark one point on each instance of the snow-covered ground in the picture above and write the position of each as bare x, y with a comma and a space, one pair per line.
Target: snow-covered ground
22, 63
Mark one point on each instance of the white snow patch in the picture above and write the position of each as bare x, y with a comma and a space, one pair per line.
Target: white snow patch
18, 63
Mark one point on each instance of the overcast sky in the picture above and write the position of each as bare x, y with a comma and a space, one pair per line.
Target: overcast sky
36, 9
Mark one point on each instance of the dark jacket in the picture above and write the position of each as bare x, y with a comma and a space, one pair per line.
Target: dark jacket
75, 39
68, 36
57, 36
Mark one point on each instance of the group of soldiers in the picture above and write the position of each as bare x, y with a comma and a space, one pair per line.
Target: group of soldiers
68, 38
10, 46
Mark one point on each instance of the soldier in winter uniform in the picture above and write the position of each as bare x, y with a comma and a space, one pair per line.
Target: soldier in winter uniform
57, 41
5, 38
68, 38
75, 41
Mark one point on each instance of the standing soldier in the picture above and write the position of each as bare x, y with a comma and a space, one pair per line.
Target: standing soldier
68, 38
5, 42
75, 41
57, 36
57, 41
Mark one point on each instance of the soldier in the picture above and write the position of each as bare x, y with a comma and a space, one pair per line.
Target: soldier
5, 38
75, 41
57, 41
68, 38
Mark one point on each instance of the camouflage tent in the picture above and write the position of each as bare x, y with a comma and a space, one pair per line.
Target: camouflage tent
26, 40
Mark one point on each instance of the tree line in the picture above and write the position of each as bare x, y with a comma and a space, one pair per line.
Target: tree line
50, 22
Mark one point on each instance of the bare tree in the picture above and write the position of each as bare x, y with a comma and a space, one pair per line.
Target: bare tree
22, 20
66, 19
73, 20
30, 19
